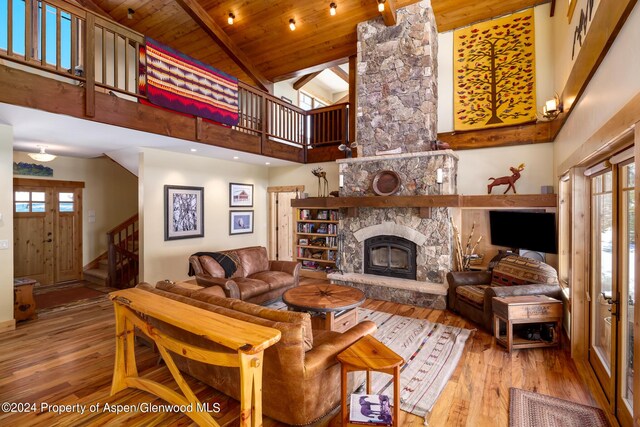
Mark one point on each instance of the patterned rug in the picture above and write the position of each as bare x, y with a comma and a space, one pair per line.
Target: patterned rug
529, 409
431, 352
61, 296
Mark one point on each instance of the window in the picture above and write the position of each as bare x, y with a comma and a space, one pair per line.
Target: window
29, 201
309, 102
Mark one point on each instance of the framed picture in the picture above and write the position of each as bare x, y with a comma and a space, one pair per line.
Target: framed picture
240, 222
285, 99
303, 242
183, 212
240, 195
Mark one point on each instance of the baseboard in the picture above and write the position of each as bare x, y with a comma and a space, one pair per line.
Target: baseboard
7, 325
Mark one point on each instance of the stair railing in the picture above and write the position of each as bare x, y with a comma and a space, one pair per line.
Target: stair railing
124, 266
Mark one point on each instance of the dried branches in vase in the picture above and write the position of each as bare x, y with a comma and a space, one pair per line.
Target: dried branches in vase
463, 257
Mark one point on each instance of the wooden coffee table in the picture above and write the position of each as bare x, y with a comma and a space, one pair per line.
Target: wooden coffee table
333, 307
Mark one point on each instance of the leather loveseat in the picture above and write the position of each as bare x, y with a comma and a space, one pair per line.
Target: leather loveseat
246, 273
301, 375
471, 292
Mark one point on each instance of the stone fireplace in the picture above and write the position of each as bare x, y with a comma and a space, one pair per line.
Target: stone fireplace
396, 130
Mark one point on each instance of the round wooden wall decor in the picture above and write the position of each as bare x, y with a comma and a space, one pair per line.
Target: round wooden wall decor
385, 183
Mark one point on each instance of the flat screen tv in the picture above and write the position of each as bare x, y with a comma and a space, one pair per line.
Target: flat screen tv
535, 231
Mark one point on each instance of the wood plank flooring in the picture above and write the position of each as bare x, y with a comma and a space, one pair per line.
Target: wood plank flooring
66, 358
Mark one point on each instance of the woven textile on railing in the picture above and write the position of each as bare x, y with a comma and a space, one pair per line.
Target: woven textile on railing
181, 83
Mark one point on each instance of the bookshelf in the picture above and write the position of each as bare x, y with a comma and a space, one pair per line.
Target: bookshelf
315, 240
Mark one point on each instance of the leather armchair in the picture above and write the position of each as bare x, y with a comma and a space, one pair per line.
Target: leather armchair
471, 292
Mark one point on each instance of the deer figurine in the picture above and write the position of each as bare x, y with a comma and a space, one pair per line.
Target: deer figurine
509, 181
322, 175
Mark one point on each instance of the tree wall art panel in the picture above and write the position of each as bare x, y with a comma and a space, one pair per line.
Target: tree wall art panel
494, 73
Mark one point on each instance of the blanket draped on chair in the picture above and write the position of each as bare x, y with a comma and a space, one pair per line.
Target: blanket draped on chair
181, 83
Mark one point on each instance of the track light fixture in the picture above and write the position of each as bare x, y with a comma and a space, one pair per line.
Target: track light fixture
381, 5
332, 9
130, 13
292, 24
231, 18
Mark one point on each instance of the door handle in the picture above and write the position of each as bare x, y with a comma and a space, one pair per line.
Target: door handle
613, 302
49, 241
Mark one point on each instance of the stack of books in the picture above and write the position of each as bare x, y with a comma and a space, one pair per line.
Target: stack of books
370, 409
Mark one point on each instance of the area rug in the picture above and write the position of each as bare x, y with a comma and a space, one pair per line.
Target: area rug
65, 296
431, 352
529, 409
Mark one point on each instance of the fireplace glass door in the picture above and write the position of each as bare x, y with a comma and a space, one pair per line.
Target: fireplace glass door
390, 256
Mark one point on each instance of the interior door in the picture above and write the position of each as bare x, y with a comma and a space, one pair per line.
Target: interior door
68, 233
603, 283
33, 233
281, 221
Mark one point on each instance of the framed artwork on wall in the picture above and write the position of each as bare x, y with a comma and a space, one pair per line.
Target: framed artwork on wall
240, 222
183, 212
240, 195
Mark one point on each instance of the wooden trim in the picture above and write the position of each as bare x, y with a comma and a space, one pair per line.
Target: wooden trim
340, 73
37, 182
531, 133
305, 79
7, 326
455, 200
95, 263
389, 13
343, 99
200, 15
313, 69
609, 138
579, 265
93, 7
353, 98
285, 188
636, 314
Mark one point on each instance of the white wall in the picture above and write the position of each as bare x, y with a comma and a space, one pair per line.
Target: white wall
285, 88
110, 191
301, 175
612, 86
170, 259
6, 226
476, 166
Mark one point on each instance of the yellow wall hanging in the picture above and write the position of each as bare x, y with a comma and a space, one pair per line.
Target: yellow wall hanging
494, 73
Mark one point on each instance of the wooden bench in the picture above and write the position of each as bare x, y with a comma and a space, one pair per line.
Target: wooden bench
247, 339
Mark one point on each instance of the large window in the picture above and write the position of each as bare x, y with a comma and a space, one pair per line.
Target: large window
309, 102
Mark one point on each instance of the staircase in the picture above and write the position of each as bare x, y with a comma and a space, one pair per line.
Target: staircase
122, 263
99, 275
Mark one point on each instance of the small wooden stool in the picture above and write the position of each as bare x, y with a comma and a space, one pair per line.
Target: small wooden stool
369, 354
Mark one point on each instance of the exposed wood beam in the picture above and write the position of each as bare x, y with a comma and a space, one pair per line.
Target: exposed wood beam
313, 69
340, 73
532, 133
389, 13
304, 80
200, 15
353, 67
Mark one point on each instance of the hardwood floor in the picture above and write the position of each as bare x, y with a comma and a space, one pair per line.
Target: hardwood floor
66, 358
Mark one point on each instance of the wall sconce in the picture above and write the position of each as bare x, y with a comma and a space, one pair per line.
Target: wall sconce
332, 9
347, 149
292, 24
42, 156
381, 5
130, 13
231, 18
552, 108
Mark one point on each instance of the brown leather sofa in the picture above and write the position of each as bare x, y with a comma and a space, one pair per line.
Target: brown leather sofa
301, 375
471, 292
250, 275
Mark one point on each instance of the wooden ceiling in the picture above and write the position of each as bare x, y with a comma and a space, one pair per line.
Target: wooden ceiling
259, 47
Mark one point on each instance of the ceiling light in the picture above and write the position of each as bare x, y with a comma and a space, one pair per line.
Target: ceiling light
42, 156
231, 18
380, 5
267, 163
292, 24
130, 13
332, 9
193, 150
235, 157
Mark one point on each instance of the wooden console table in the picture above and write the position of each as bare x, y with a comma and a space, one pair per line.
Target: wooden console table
247, 339
526, 309
369, 354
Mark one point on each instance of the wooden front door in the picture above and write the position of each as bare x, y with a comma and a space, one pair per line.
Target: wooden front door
47, 230
281, 221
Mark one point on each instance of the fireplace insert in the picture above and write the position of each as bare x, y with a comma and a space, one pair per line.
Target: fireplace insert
390, 256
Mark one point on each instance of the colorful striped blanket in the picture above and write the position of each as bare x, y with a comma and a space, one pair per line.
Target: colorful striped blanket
181, 83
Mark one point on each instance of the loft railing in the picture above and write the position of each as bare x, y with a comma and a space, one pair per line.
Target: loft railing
123, 254
66, 40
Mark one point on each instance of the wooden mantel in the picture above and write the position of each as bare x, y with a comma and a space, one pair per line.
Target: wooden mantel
451, 201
